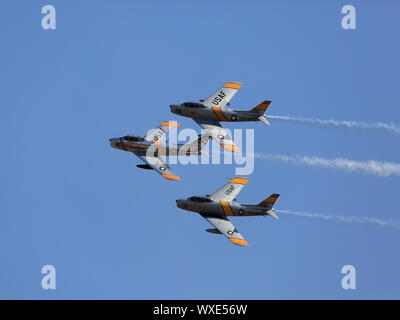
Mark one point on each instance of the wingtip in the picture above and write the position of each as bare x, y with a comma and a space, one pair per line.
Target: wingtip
170, 124
239, 242
230, 147
170, 177
239, 180
233, 85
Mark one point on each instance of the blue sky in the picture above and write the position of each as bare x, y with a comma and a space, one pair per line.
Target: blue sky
111, 68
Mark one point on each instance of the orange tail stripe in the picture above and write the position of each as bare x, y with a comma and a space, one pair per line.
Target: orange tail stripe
219, 114
273, 200
263, 105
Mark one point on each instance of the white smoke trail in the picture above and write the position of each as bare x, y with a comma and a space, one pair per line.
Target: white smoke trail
377, 168
345, 219
378, 126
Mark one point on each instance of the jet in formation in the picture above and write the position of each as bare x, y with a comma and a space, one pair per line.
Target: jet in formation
216, 207
149, 149
210, 112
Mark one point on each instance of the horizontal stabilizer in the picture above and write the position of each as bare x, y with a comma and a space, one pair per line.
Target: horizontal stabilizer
264, 120
272, 214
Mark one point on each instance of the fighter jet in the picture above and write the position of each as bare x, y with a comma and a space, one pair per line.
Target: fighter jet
211, 111
149, 149
216, 207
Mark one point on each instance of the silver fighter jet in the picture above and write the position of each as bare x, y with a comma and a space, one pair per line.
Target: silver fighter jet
149, 149
210, 112
216, 207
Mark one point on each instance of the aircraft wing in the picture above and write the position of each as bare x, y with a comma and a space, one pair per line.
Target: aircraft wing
156, 134
218, 133
223, 96
230, 190
223, 225
157, 164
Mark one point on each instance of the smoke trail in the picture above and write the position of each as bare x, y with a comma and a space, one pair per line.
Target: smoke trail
377, 168
351, 219
378, 126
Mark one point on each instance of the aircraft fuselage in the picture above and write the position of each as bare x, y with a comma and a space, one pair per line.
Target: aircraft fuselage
214, 113
154, 148
203, 205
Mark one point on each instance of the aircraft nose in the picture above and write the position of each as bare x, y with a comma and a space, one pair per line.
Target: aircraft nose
175, 108
179, 203
115, 142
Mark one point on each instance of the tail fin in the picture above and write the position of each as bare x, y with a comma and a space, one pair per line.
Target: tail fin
261, 108
270, 201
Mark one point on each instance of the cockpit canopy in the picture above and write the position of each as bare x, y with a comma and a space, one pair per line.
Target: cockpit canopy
199, 199
133, 138
193, 105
